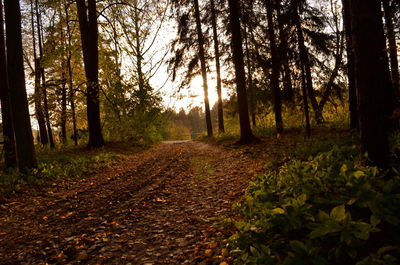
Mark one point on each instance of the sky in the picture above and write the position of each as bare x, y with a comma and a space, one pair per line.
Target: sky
191, 97
184, 98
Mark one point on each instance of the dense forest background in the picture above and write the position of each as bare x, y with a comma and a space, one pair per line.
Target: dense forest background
96, 71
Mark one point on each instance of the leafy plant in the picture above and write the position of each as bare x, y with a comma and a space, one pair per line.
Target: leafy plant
329, 209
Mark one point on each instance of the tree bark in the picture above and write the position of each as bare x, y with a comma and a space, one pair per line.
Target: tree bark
42, 73
70, 77
63, 105
375, 93
394, 64
203, 67
89, 37
286, 72
138, 55
221, 127
246, 135
250, 88
10, 155
63, 118
307, 67
350, 65
22, 125
37, 95
335, 72
276, 92
305, 100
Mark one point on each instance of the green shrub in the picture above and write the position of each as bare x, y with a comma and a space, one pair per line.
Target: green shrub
329, 209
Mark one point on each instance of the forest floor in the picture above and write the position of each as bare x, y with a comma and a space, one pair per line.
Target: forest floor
160, 206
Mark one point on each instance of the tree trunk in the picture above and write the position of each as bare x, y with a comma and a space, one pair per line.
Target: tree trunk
10, 155
221, 127
374, 88
276, 92
250, 88
286, 73
203, 68
89, 37
246, 135
306, 63
335, 72
63, 105
350, 65
138, 55
305, 100
394, 64
70, 74
22, 125
37, 95
63, 118
44, 89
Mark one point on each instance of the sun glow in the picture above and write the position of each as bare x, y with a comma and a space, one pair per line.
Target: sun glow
194, 95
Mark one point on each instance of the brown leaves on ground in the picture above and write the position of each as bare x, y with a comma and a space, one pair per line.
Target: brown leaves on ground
162, 206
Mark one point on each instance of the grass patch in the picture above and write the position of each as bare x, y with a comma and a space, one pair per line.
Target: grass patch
68, 162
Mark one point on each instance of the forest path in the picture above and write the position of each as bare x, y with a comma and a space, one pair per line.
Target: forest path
161, 206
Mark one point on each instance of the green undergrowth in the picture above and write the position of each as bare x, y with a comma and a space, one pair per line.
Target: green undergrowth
65, 162
325, 209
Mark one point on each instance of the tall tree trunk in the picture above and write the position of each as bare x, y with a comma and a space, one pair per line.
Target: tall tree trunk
22, 124
139, 66
306, 63
221, 127
37, 95
305, 100
203, 67
89, 37
72, 102
340, 40
63, 118
286, 73
394, 64
246, 135
250, 88
375, 93
10, 155
70, 77
350, 65
63, 105
276, 92
44, 88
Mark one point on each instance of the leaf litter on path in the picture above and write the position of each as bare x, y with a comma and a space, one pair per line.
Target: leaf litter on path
161, 206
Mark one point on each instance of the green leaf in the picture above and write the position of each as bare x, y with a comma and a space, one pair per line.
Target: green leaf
298, 247
278, 211
323, 215
325, 228
351, 201
343, 169
338, 213
358, 174
374, 220
392, 219
361, 230
254, 251
385, 249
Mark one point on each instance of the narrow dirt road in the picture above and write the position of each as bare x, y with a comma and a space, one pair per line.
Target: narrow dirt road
161, 206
